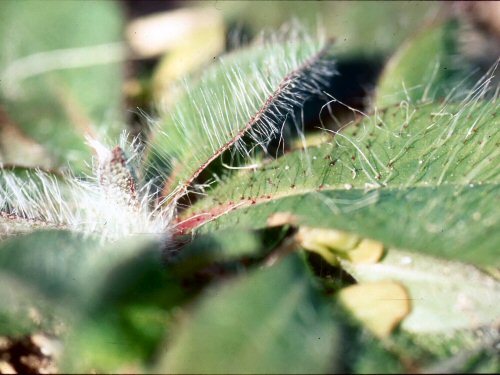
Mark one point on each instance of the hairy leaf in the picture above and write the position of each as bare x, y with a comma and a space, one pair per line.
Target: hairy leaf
110, 205
24, 200
422, 178
238, 103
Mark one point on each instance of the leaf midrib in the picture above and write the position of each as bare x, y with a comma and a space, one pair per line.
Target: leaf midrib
287, 80
221, 209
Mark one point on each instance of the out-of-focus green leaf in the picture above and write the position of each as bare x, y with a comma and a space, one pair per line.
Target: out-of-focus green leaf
125, 325
133, 306
24, 309
454, 318
111, 300
64, 269
422, 178
61, 73
41, 274
16, 148
360, 27
56, 262
224, 246
365, 354
270, 321
444, 295
456, 351
425, 68
375, 359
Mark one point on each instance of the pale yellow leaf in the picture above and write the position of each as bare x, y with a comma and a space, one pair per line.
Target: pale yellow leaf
380, 305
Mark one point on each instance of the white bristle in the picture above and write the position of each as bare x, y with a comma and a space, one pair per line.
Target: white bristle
105, 205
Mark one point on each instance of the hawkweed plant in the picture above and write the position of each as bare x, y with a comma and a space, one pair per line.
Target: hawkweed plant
261, 221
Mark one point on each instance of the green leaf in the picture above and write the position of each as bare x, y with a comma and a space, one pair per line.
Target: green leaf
41, 273
16, 148
421, 178
445, 296
376, 359
460, 351
367, 355
272, 320
63, 269
24, 310
61, 73
21, 194
124, 327
238, 103
130, 315
387, 26
224, 246
111, 301
425, 68
57, 262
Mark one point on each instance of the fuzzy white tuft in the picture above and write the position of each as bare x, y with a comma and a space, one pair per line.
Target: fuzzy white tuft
109, 205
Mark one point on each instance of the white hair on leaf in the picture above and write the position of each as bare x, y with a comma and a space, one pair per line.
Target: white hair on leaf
238, 104
109, 205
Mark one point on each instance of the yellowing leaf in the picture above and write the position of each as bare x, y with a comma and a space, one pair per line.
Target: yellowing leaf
326, 242
446, 296
380, 306
201, 47
319, 238
367, 251
332, 244
156, 34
